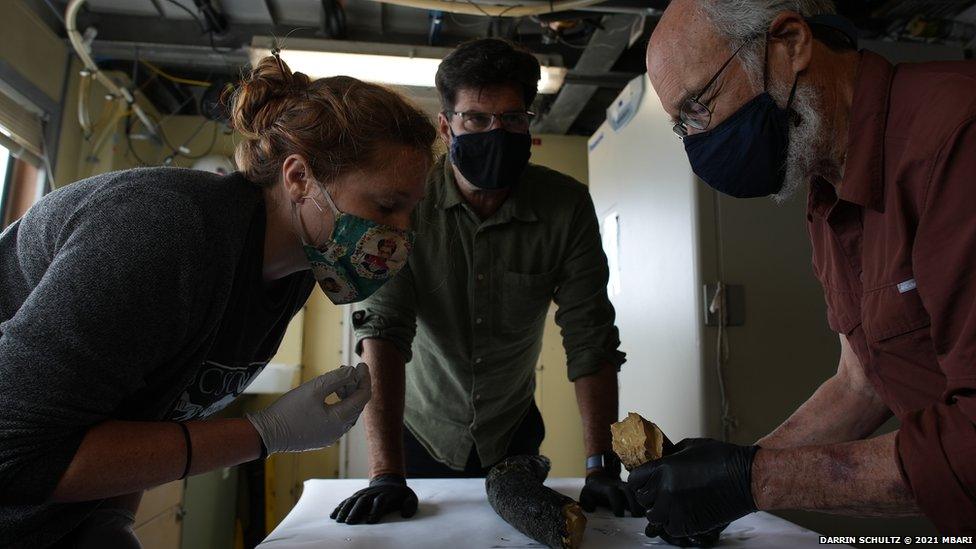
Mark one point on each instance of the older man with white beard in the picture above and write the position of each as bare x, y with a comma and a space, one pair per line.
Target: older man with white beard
888, 157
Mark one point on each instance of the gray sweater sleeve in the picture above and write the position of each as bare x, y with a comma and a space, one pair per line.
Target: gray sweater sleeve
116, 279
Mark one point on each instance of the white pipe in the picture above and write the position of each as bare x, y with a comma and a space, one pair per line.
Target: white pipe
70, 15
84, 109
493, 11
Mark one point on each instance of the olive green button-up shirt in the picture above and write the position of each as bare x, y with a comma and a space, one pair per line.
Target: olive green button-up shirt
469, 308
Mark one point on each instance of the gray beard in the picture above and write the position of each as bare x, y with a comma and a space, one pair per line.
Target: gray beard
810, 151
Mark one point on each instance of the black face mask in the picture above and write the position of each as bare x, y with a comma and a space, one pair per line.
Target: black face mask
745, 156
491, 160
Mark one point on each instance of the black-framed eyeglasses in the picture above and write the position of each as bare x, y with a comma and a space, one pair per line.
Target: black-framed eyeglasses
476, 121
696, 114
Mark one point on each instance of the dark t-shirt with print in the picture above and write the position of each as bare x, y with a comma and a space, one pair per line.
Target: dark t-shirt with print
253, 325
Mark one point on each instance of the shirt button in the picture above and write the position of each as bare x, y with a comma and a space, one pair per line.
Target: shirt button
477, 360
481, 276
479, 320
477, 397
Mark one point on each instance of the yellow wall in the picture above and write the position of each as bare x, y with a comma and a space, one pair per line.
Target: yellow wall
80, 157
315, 341
69, 144
31, 48
36, 53
563, 153
554, 393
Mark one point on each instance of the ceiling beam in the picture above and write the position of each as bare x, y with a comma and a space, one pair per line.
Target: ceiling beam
608, 79
602, 52
135, 28
201, 58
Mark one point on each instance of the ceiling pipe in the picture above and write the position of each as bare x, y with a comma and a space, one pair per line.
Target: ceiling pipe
449, 6
78, 43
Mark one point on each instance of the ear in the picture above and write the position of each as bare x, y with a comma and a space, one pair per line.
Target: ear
791, 34
444, 128
296, 177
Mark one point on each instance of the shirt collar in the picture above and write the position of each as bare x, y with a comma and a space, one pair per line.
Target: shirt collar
863, 182
518, 205
450, 194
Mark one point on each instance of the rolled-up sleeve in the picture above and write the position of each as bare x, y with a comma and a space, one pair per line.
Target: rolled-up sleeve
585, 314
390, 314
937, 445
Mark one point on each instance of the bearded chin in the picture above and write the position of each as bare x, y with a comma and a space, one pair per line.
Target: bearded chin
808, 155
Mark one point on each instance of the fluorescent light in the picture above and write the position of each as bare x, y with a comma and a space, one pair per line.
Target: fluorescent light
381, 68
552, 79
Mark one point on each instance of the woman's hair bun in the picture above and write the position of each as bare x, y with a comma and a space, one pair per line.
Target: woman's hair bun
336, 124
261, 97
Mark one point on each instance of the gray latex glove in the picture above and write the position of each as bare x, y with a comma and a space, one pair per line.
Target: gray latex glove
301, 419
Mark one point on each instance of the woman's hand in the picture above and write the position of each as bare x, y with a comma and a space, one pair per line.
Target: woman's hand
302, 420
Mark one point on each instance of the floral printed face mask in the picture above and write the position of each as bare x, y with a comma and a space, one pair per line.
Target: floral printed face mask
359, 257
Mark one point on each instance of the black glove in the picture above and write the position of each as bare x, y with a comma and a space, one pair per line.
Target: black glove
703, 485
603, 489
708, 539
385, 494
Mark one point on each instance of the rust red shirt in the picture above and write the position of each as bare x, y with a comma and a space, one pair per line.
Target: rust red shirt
895, 250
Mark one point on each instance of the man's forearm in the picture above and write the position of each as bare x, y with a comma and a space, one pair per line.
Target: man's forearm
845, 408
384, 413
596, 395
122, 457
832, 415
859, 478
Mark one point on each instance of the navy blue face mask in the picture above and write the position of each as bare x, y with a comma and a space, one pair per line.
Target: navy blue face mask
745, 155
491, 160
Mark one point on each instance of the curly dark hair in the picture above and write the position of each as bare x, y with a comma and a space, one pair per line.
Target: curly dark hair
487, 62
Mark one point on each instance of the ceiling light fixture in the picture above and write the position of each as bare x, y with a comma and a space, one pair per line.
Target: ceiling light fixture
380, 63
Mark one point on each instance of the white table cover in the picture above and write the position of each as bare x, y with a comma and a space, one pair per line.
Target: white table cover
454, 513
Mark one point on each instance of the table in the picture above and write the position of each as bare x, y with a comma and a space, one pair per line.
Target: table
455, 513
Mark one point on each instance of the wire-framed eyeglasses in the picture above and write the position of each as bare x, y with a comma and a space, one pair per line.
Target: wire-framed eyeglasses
693, 112
477, 122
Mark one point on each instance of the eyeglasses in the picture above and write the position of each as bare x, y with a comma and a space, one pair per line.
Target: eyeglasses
476, 122
696, 114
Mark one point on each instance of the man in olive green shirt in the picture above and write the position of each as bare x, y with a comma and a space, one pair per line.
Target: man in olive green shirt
452, 341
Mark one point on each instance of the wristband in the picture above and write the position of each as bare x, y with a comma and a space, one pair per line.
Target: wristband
189, 449
387, 480
607, 461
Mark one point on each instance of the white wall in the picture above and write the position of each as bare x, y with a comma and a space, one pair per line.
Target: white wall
641, 175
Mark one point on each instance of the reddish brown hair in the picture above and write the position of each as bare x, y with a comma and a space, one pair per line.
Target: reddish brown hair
337, 124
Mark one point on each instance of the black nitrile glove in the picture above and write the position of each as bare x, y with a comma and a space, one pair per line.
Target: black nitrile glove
603, 489
701, 486
385, 494
708, 539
